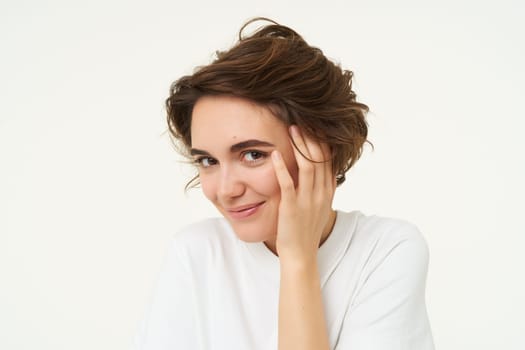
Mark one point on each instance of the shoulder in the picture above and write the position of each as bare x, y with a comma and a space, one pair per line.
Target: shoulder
211, 229
388, 300
389, 233
377, 241
204, 239
388, 228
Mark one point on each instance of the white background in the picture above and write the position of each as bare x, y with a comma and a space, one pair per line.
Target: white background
91, 190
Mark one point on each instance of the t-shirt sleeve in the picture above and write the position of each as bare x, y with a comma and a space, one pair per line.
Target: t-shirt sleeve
388, 311
170, 321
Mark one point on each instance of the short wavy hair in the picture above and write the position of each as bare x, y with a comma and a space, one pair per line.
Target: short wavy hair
276, 68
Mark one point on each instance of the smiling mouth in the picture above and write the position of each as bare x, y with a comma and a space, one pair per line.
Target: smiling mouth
244, 211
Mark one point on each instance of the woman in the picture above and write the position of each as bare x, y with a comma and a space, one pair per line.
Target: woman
273, 126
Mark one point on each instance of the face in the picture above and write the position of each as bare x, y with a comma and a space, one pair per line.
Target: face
232, 140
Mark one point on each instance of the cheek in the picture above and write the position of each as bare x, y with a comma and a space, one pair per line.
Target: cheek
264, 181
208, 186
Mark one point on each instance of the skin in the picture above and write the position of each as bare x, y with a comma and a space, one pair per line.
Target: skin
270, 193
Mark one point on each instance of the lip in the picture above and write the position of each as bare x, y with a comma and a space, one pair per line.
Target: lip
244, 211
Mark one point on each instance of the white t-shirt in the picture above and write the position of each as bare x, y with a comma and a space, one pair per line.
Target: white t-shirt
218, 292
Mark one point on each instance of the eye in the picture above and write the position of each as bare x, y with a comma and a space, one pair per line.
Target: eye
253, 156
205, 162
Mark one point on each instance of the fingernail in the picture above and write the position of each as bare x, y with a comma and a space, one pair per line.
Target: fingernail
294, 130
276, 155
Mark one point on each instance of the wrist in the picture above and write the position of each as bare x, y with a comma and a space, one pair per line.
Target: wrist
298, 264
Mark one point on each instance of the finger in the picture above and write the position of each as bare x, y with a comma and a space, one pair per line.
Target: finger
302, 157
299, 141
283, 177
328, 166
319, 160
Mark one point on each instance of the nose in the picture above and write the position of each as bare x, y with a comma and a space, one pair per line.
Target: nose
231, 184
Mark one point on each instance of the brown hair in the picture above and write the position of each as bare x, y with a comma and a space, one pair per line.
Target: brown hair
276, 68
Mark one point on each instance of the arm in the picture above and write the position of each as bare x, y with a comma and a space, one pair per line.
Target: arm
301, 315
305, 218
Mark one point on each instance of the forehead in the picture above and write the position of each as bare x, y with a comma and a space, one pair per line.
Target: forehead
223, 120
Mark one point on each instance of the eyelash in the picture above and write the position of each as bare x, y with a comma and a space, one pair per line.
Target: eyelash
259, 156
199, 161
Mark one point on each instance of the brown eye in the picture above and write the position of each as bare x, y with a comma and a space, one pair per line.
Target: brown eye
253, 156
205, 162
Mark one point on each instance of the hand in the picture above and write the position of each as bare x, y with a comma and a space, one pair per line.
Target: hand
305, 212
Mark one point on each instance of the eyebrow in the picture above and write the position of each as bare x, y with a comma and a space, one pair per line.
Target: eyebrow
236, 147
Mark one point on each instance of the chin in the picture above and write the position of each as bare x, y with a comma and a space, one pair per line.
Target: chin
251, 234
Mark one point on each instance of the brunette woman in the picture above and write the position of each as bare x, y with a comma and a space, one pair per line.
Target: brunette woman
273, 126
